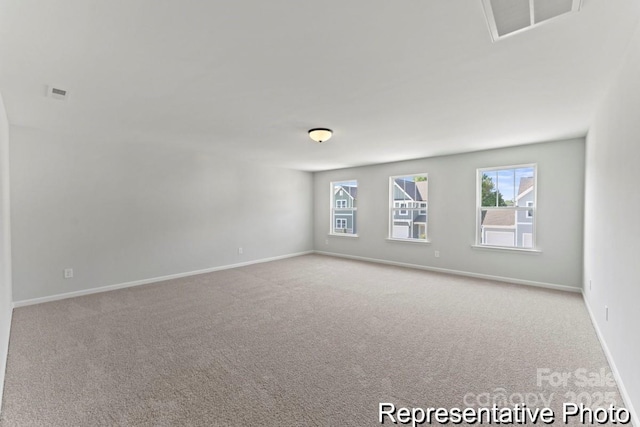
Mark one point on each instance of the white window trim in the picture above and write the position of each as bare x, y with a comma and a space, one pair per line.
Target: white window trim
507, 249
332, 208
418, 241
343, 235
479, 208
396, 206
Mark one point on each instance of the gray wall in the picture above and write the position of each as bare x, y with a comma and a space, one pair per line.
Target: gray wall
612, 222
452, 214
122, 212
5, 244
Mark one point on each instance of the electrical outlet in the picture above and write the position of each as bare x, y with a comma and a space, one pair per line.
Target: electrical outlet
68, 273
606, 313
240, 251
326, 241
437, 254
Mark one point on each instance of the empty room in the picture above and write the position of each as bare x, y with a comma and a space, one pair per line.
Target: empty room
319, 213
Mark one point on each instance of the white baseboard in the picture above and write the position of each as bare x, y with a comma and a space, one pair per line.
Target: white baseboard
3, 367
616, 374
457, 272
107, 288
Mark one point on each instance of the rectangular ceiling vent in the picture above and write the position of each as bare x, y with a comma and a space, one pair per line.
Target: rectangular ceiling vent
508, 17
57, 93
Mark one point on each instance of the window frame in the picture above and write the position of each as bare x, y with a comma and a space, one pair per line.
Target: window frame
343, 221
333, 208
401, 208
529, 210
407, 207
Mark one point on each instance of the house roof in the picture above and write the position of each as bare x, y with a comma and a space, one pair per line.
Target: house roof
420, 218
525, 184
499, 217
417, 191
352, 191
422, 189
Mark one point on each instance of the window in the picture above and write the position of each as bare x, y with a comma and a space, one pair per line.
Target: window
408, 207
506, 206
423, 208
344, 195
529, 211
401, 212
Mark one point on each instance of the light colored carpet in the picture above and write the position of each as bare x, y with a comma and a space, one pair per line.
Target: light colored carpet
312, 340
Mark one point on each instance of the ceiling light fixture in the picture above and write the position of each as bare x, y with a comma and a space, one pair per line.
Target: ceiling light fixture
320, 134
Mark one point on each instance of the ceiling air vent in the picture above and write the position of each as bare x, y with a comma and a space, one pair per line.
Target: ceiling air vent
507, 17
57, 93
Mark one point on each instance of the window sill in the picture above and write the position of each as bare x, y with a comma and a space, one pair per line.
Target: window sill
418, 241
342, 235
507, 249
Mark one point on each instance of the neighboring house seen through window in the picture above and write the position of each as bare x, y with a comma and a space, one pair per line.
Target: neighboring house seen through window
529, 211
506, 206
408, 207
344, 195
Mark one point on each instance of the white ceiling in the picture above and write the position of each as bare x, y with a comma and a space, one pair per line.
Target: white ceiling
395, 79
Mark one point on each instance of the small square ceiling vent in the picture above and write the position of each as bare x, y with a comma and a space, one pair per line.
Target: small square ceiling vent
507, 17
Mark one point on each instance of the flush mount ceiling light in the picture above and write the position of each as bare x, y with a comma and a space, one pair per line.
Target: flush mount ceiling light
320, 134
